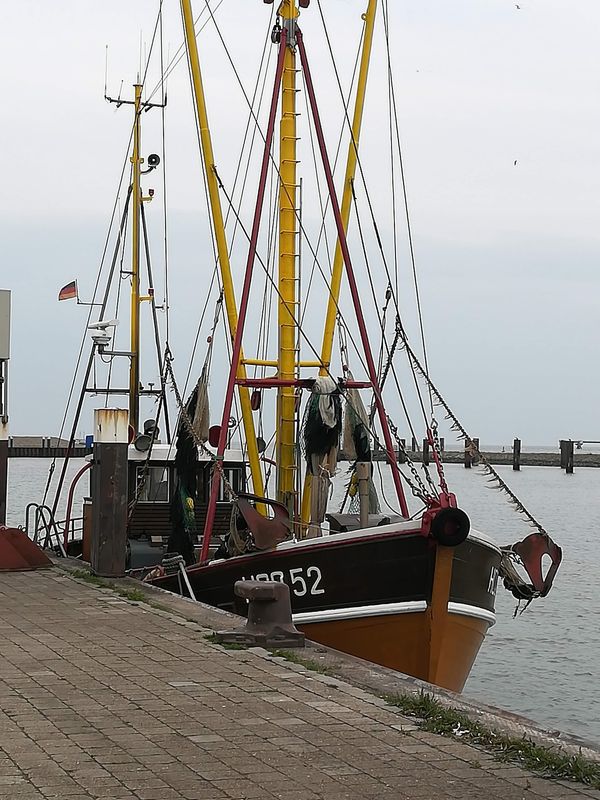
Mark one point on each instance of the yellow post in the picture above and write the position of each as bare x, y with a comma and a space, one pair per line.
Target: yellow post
219, 229
338, 261
134, 368
288, 232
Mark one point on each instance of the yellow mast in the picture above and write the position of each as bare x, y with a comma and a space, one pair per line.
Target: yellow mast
221, 241
288, 302
338, 261
134, 368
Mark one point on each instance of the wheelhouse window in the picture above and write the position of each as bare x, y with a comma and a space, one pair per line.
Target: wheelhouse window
234, 476
152, 484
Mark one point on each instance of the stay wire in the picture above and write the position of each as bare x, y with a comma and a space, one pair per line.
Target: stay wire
261, 262
90, 363
367, 194
96, 286
121, 244
163, 87
322, 230
313, 252
311, 347
180, 52
392, 93
205, 183
384, 341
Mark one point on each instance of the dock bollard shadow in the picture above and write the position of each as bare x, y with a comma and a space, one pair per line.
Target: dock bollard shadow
269, 622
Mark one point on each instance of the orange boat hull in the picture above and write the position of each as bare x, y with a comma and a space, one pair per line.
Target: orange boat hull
398, 641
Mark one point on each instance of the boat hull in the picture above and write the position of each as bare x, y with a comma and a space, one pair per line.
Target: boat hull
371, 594
400, 642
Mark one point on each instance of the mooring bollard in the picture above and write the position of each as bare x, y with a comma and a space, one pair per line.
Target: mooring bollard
109, 492
269, 621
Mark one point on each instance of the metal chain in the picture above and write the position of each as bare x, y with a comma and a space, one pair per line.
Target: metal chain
217, 463
433, 427
420, 490
469, 443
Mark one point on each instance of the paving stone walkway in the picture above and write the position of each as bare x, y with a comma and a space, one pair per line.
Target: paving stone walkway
104, 698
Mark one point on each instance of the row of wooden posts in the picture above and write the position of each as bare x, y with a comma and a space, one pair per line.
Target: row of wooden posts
472, 453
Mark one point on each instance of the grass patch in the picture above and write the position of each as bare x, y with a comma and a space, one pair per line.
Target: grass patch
313, 666
434, 717
213, 639
135, 595
158, 606
84, 575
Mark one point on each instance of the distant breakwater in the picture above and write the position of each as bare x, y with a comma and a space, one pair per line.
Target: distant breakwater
527, 459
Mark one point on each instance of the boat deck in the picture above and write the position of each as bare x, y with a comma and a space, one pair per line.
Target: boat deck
102, 697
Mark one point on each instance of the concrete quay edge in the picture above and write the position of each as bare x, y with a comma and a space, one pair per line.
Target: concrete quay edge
372, 678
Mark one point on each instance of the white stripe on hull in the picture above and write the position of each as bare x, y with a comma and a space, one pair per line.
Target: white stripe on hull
472, 611
386, 609
379, 610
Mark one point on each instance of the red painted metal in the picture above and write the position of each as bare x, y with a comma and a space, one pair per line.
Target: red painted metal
364, 335
74, 483
237, 344
19, 553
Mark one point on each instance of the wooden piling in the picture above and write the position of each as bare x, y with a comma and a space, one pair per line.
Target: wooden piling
401, 452
413, 445
517, 455
566, 455
109, 493
425, 458
471, 459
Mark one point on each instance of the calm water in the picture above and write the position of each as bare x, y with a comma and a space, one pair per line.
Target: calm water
543, 664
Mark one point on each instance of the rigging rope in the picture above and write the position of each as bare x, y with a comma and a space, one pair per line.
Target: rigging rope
180, 52
470, 444
92, 306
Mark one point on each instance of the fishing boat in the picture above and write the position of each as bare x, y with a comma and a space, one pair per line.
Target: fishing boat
413, 590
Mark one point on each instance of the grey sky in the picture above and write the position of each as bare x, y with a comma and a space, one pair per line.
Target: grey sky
507, 253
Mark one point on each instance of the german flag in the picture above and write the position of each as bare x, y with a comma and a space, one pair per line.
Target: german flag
68, 292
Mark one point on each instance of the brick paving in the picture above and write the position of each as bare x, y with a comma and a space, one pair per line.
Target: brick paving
104, 698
